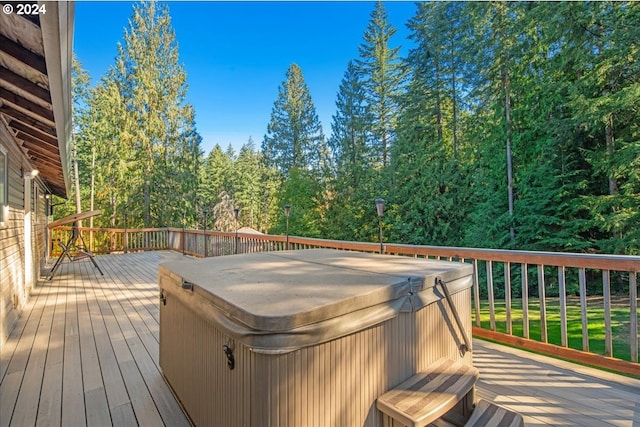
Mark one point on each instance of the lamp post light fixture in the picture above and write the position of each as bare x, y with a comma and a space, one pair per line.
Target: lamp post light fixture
380, 209
183, 231
236, 211
206, 246
287, 211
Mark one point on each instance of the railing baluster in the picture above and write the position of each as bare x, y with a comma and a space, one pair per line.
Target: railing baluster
525, 300
507, 295
543, 304
562, 294
582, 279
606, 293
492, 311
476, 292
633, 315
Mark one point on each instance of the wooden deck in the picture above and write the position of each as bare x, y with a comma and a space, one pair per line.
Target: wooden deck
85, 352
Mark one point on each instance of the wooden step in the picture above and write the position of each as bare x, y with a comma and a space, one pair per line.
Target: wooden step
428, 395
488, 414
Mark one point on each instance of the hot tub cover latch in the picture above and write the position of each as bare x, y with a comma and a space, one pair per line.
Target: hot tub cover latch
228, 351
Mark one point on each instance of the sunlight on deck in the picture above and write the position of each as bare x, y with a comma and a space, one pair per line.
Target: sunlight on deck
85, 352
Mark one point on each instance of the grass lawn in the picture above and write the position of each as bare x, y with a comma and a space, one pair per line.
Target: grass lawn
595, 318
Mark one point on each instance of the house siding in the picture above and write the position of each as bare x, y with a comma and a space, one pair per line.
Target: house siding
14, 289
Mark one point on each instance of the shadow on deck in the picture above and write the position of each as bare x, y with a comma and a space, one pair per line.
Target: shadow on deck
85, 352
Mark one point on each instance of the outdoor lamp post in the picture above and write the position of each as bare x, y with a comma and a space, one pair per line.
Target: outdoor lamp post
205, 233
287, 210
183, 231
125, 242
380, 209
236, 211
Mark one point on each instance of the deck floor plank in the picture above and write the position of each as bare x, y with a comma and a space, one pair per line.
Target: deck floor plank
549, 391
50, 405
26, 407
16, 364
73, 404
91, 342
97, 406
118, 401
139, 396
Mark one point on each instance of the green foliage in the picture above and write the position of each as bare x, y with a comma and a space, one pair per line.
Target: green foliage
544, 94
294, 136
381, 71
139, 131
303, 193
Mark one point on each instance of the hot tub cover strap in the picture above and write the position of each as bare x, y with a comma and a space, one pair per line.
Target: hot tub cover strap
279, 342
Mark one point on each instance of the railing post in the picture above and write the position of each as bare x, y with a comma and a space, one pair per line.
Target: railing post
492, 309
562, 296
525, 299
476, 292
582, 280
507, 295
543, 304
633, 316
606, 293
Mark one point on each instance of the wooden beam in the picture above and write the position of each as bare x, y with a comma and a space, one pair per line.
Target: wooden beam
26, 84
32, 143
36, 133
21, 102
570, 354
23, 55
27, 120
45, 159
47, 172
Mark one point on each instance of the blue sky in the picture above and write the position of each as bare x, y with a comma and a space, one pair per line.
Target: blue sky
236, 54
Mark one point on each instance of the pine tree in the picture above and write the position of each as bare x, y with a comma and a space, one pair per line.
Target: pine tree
247, 184
600, 48
382, 74
427, 170
215, 178
294, 136
352, 158
348, 142
153, 86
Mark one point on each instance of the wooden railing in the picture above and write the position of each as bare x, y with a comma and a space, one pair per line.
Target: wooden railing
544, 282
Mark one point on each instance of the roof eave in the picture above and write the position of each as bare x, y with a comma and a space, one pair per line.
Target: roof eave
57, 35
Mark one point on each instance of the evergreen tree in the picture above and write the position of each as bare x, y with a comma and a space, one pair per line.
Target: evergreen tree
247, 184
216, 177
382, 73
600, 45
166, 145
294, 136
295, 148
429, 174
348, 142
352, 159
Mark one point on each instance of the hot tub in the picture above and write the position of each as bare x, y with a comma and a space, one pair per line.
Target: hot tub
304, 338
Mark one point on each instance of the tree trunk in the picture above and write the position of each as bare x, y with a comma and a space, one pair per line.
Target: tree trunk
613, 183
77, 181
507, 106
91, 196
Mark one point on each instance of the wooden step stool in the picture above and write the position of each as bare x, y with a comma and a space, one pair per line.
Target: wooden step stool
428, 395
488, 414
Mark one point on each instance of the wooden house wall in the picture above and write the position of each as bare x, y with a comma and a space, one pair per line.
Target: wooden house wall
14, 290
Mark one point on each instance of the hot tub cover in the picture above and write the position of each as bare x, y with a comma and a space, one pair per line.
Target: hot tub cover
277, 302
